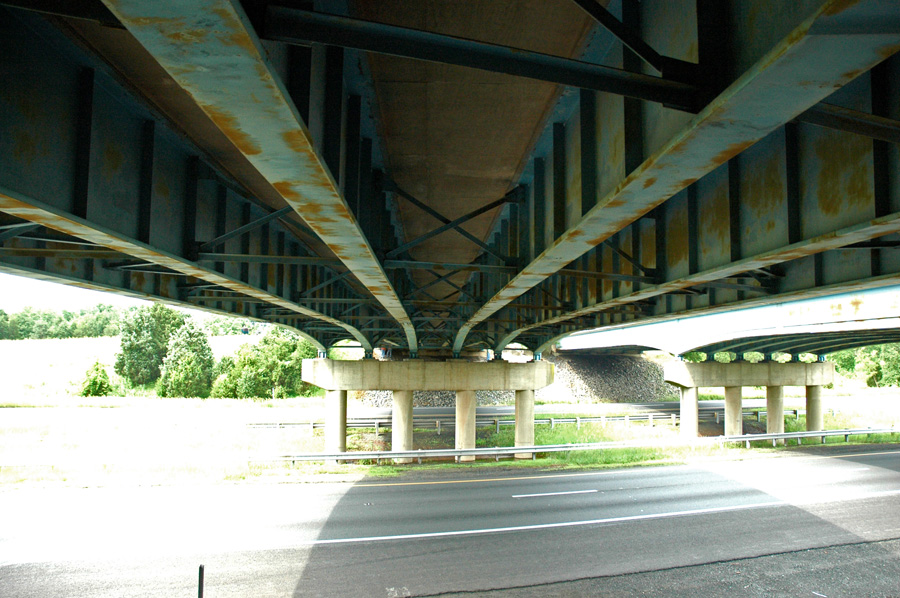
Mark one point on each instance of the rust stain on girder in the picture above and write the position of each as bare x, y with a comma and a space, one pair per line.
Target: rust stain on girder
229, 125
34, 211
737, 119
839, 6
236, 35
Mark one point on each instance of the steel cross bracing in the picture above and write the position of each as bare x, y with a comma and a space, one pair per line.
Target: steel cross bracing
184, 151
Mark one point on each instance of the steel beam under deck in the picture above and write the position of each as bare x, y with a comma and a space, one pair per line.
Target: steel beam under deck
834, 240
210, 49
837, 43
35, 211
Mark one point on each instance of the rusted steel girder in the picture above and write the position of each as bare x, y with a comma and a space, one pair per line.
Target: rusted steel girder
836, 44
209, 48
32, 210
834, 240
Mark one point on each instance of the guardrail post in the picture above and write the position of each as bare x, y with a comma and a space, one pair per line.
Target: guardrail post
437, 424
673, 420
497, 425
650, 419
627, 420
577, 423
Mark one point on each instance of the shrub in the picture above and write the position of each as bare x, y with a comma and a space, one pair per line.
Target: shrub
145, 340
187, 369
270, 368
96, 382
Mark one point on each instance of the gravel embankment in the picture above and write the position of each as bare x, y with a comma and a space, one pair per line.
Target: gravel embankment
581, 379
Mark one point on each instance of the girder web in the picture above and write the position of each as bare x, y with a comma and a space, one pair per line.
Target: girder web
656, 188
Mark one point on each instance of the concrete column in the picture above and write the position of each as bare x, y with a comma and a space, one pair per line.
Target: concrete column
734, 417
402, 423
775, 410
336, 421
815, 417
690, 412
465, 421
524, 421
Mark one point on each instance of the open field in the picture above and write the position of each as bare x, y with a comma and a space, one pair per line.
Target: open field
50, 436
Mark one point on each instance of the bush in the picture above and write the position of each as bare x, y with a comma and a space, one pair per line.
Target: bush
270, 368
96, 382
187, 369
145, 340
878, 365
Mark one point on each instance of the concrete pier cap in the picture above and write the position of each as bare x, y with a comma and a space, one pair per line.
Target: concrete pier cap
706, 374
426, 375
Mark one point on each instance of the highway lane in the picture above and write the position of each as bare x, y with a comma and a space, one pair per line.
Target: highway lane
445, 531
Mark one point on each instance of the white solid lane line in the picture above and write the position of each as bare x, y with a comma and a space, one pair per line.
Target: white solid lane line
553, 493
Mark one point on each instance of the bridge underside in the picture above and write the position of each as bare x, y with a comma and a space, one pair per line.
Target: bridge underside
442, 180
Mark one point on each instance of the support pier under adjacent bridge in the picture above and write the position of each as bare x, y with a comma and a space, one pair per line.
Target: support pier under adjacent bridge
405, 377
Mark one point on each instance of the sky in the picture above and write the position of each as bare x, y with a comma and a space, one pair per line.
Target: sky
19, 292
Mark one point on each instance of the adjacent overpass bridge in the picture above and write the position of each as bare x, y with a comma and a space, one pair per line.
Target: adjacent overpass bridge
442, 179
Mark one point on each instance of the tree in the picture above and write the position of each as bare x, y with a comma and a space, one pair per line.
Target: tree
187, 369
4, 325
145, 340
96, 382
270, 368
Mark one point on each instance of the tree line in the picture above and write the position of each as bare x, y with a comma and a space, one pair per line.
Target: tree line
165, 348
101, 320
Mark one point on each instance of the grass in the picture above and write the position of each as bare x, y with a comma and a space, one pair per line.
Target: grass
149, 441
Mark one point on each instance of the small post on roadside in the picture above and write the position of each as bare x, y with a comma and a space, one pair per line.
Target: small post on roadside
200, 584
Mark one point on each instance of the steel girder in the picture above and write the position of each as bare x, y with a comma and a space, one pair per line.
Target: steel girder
210, 49
134, 202
827, 50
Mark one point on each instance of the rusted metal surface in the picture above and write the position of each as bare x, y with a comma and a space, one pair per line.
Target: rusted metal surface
834, 240
210, 50
34, 211
828, 50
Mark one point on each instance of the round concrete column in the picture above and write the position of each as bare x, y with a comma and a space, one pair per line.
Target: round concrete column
465, 421
775, 410
690, 412
815, 417
336, 421
402, 424
734, 417
524, 421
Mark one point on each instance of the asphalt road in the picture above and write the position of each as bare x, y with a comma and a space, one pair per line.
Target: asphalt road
819, 521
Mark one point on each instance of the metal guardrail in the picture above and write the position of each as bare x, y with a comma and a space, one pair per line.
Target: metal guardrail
823, 434
439, 423
498, 452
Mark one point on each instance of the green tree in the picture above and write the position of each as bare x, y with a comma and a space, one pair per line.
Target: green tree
187, 369
145, 340
96, 382
271, 368
4, 325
